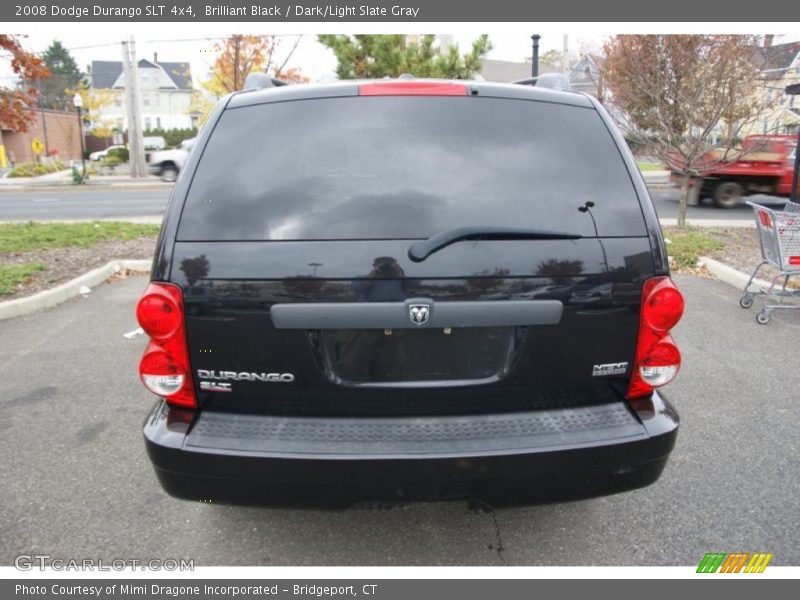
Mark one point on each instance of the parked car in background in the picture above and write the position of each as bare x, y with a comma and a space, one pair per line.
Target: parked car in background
101, 154
168, 163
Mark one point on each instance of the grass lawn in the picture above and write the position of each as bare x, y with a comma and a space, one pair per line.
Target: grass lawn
26, 237
11, 275
686, 245
648, 166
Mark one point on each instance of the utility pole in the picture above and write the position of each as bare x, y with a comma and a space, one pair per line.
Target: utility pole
238, 40
135, 142
44, 130
141, 170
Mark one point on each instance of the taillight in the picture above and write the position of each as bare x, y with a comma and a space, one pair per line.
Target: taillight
164, 368
662, 304
661, 363
657, 357
158, 311
161, 373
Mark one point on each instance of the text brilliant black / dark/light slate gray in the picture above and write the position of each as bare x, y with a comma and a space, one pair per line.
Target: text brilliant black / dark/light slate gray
444, 11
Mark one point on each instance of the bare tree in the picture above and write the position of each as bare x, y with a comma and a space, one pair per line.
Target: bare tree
683, 96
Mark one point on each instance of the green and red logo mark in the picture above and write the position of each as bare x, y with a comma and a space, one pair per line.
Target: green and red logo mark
735, 562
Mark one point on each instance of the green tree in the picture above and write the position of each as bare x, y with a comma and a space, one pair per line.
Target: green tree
552, 58
375, 56
64, 75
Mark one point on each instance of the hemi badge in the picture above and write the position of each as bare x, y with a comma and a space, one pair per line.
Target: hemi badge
610, 369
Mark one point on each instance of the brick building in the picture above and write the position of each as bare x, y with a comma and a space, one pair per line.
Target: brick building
58, 131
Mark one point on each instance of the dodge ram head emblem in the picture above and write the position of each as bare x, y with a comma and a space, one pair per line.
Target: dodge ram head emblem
419, 313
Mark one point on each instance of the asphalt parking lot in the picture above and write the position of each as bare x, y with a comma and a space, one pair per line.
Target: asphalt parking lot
76, 482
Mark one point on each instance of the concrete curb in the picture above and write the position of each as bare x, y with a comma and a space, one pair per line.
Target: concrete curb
731, 276
673, 222
49, 298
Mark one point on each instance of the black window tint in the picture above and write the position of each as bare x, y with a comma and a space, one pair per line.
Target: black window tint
407, 167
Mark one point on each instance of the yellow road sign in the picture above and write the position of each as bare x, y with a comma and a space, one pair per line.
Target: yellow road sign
37, 146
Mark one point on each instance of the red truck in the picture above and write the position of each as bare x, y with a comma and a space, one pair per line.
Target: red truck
763, 165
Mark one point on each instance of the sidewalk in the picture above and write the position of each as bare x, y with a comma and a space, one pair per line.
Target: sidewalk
657, 178
673, 222
64, 178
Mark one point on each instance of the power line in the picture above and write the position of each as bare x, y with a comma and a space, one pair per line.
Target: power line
94, 46
291, 53
204, 39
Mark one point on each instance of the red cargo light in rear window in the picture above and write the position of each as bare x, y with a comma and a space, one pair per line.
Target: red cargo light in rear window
412, 88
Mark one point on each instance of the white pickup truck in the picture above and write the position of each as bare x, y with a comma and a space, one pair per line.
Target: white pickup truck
168, 163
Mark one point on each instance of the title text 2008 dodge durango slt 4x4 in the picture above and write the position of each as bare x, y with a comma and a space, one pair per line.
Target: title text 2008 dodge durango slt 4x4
402, 290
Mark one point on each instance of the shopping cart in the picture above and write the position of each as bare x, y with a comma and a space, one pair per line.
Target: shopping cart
779, 236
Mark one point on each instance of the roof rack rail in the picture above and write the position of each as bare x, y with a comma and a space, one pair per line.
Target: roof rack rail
260, 81
554, 81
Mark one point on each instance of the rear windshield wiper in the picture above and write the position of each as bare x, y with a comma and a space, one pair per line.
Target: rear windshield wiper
419, 251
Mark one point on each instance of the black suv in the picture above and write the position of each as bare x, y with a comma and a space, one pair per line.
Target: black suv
409, 290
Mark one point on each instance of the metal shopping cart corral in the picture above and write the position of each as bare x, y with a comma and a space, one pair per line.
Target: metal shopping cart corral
779, 237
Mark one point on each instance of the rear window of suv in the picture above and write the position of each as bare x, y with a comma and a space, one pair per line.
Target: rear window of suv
407, 167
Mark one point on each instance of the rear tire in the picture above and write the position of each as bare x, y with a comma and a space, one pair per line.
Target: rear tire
728, 194
762, 317
746, 301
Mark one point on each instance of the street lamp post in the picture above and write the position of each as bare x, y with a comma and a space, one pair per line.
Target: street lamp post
794, 90
77, 102
535, 55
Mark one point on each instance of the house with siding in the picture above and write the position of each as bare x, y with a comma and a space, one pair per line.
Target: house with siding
780, 67
165, 93
585, 75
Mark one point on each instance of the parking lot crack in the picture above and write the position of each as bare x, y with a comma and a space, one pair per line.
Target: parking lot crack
497, 546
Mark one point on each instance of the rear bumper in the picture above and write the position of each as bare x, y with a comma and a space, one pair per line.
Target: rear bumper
505, 459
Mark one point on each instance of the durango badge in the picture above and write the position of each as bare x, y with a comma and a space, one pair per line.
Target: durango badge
245, 376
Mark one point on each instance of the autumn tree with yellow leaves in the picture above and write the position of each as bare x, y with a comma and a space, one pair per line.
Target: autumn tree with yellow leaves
236, 57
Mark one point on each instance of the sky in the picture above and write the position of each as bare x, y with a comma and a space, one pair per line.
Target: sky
310, 56
511, 42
